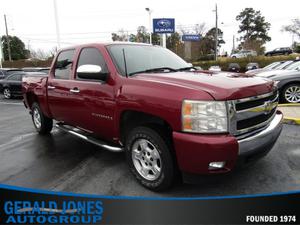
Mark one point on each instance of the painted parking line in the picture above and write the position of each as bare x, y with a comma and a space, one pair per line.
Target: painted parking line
11, 103
291, 118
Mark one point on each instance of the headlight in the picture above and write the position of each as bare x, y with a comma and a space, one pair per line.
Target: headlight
204, 116
276, 82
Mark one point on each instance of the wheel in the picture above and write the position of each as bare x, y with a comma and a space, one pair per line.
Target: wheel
291, 93
7, 93
268, 55
42, 123
150, 159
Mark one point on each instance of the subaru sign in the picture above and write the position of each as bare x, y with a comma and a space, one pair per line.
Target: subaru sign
191, 37
163, 25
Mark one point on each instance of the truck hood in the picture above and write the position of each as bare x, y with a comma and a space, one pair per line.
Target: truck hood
221, 85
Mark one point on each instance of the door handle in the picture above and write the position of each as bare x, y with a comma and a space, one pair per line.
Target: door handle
51, 87
74, 90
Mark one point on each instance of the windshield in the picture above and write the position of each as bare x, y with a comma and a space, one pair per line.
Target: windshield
284, 65
144, 57
273, 65
293, 66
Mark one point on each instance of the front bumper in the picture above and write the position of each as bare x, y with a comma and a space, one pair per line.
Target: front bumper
194, 152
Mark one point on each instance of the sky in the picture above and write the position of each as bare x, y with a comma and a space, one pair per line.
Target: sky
85, 21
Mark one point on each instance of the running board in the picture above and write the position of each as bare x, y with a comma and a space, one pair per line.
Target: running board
79, 133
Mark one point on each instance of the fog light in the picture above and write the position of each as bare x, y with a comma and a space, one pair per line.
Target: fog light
216, 165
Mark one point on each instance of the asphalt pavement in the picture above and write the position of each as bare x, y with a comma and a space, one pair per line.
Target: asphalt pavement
62, 162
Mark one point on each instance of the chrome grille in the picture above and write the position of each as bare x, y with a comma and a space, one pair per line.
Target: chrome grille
251, 114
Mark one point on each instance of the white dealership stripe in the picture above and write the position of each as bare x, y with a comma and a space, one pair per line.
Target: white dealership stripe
11, 103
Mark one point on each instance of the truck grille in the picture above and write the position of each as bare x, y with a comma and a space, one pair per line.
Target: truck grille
256, 120
249, 115
255, 102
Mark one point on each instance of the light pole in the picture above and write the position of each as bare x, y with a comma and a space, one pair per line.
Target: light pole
216, 33
56, 24
150, 27
7, 40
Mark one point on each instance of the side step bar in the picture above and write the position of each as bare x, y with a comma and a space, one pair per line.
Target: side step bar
79, 133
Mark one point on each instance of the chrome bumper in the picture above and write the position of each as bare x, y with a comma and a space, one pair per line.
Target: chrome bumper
264, 140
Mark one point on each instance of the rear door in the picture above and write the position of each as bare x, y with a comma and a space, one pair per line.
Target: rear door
59, 85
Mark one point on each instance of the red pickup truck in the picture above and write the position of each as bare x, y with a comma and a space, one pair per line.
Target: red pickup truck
168, 117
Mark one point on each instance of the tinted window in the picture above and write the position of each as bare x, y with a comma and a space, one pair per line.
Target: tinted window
63, 64
92, 56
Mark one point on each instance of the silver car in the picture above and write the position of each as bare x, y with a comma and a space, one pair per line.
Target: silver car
244, 54
288, 82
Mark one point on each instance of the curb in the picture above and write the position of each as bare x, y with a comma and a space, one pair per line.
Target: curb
291, 120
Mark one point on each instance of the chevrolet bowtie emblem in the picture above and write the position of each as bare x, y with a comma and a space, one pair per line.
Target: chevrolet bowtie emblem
268, 106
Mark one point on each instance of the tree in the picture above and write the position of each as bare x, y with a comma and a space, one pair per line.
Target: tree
17, 48
40, 54
253, 28
296, 47
174, 42
142, 35
121, 35
293, 28
207, 44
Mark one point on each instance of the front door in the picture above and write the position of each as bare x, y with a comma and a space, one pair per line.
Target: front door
94, 103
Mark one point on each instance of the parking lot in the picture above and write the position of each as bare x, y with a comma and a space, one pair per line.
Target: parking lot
62, 162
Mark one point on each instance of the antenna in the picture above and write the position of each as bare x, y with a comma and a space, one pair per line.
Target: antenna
125, 65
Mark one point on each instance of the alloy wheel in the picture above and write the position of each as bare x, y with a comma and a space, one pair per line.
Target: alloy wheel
292, 94
37, 118
7, 93
146, 159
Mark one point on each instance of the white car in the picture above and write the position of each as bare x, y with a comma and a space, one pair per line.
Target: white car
244, 54
215, 68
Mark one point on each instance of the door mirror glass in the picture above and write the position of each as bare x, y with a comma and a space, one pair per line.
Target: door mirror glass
91, 72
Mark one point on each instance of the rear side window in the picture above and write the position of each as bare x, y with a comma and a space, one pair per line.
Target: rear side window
92, 56
15, 77
63, 64
9, 72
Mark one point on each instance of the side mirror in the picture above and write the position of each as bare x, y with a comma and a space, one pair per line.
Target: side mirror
91, 72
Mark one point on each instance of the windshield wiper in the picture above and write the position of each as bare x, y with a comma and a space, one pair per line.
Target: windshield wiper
186, 68
158, 69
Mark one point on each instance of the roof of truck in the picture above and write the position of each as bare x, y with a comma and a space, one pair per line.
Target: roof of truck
107, 44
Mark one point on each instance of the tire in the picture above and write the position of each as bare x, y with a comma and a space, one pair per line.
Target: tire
291, 93
42, 123
150, 159
7, 93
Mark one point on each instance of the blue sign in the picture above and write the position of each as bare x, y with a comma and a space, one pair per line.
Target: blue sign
163, 25
191, 37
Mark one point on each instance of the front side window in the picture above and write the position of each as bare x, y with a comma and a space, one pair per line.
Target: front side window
92, 56
144, 57
63, 64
